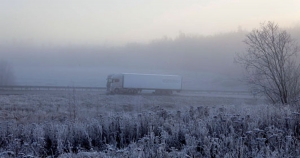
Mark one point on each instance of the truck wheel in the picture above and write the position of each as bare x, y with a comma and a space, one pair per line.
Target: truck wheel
130, 91
116, 91
169, 92
135, 91
158, 92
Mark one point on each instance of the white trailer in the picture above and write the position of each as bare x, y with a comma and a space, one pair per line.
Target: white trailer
135, 83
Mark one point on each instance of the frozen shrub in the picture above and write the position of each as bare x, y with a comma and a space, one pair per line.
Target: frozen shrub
194, 131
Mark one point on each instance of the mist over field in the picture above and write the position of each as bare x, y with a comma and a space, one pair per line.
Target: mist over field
204, 104
78, 43
205, 62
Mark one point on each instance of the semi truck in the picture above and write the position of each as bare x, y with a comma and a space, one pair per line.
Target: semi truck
133, 83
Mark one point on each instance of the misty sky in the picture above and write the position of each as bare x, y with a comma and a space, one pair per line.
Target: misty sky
115, 22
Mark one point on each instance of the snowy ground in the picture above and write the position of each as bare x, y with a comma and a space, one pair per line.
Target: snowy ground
57, 103
27, 106
91, 124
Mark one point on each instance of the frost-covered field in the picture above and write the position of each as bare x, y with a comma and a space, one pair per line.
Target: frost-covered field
88, 124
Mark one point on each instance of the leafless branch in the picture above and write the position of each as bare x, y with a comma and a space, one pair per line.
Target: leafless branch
270, 65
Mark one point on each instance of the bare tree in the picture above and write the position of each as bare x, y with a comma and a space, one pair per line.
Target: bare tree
6, 74
271, 65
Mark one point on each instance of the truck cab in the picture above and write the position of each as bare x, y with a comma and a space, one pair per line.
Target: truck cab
114, 83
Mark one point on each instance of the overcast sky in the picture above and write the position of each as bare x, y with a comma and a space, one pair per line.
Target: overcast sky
115, 22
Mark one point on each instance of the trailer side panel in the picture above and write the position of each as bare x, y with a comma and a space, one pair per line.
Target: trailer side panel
151, 81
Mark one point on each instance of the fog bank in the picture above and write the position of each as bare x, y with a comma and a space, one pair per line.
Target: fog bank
205, 62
